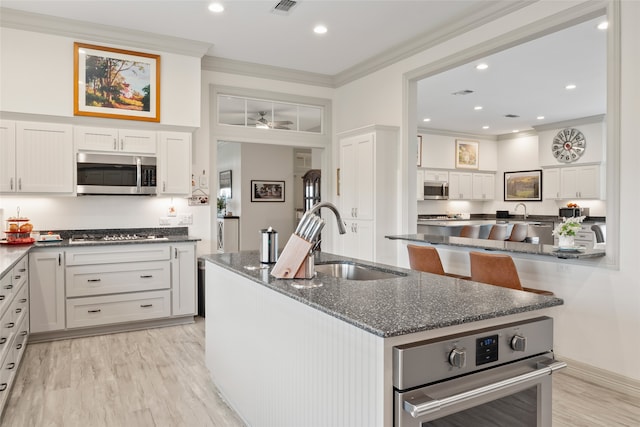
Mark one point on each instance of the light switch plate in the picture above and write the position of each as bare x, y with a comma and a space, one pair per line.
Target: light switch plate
165, 220
185, 219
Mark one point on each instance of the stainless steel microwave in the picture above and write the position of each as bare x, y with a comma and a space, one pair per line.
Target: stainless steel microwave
436, 190
116, 174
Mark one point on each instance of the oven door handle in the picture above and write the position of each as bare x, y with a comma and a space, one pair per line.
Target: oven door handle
428, 405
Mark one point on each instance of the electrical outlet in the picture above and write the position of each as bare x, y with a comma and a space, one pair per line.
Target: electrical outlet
185, 219
165, 220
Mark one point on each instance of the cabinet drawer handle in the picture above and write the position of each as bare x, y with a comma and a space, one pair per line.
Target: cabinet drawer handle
146, 305
23, 333
22, 270
1, 297
11, 365
9, 287
17, 277
94, 311
23, 300
10, 325
19, 346
93, 280
18, 310
146, 276
3, 386
3, 340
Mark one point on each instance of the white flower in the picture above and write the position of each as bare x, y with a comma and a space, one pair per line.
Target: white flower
568, 226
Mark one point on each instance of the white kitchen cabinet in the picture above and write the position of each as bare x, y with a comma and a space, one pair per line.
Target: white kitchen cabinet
551, 184
183, 279
368, 192
420, 184
460, 185
46, 289
174, 169
484, 186
228, 234
14, 324
36, 158
115, 140
437, 176
580, 182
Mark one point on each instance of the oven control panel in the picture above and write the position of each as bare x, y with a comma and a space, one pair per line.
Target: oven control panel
433, 360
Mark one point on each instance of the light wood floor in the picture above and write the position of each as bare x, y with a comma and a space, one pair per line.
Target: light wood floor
158, 377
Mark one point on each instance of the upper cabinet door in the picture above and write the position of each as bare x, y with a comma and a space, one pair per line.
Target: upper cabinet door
115, 140
44, 158
7, 156
356, 176
175, 163
551, 184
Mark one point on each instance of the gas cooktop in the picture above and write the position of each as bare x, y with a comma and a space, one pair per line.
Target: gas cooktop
113, 238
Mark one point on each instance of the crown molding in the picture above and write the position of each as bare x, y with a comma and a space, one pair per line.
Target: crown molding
480, 15
232, 66
35, 22
600, 118
454, 134
521, 134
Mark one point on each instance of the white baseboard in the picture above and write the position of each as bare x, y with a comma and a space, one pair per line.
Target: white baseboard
602, 377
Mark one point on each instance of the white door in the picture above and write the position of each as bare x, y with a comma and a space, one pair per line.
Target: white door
183, 280
46, 291
7, 156
175, 163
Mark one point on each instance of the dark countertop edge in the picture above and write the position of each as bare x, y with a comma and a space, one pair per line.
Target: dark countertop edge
215, 259
491, 217
514, 247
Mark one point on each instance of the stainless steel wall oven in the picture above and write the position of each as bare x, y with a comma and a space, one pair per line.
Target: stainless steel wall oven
498, 376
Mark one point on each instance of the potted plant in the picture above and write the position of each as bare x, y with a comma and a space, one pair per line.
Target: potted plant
566, 231
222, 205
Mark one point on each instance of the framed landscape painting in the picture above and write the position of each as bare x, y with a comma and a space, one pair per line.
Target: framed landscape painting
115, 83
523, 186
267, 191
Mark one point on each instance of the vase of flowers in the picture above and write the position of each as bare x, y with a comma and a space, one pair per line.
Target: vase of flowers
222, 205
566, 231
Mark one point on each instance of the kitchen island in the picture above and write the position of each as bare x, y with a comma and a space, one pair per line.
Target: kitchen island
318, 352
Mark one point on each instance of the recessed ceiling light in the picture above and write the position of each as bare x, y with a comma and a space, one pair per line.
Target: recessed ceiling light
216, 7
478, 107
569, 87
485, 127
320, 29
515, 131
540, 118
482, 66
426, 120
603, 25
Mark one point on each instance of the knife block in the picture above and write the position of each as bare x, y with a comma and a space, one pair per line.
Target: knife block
293, 260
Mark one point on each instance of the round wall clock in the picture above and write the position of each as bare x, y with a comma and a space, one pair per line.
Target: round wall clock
568, 145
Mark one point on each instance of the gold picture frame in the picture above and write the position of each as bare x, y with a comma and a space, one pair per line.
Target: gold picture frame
115, 83
467, 154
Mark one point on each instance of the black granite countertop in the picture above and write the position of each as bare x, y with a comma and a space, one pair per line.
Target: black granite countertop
504, 246
391, 307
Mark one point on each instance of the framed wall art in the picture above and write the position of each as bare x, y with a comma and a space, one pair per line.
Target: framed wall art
523, 186
466, 154
419, 142
267, 191
115, 83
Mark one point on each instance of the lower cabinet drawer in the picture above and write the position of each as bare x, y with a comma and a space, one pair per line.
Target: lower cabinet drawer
103, 310
5, 381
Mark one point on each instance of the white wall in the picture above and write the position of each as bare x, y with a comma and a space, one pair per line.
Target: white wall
601, 302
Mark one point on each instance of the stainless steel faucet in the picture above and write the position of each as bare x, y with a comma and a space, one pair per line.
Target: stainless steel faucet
525, 209
317, 206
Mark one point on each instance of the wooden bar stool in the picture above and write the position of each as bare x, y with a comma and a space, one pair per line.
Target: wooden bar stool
427, 259
498, 270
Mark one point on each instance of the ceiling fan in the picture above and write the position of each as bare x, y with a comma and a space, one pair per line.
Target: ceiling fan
262, 122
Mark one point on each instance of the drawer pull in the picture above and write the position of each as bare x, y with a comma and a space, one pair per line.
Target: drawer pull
22, 300
94, 311
3, 386
23, 333
17, 277
11, 365
146, 305
10, 325
3, 340
19, 346
9, 287
93, 280
146, 276
1, 297
22, 270
18, 310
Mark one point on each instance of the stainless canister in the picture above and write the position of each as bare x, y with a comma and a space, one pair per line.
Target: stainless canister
269, 246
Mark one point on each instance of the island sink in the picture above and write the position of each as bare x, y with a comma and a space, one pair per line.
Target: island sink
352, 271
